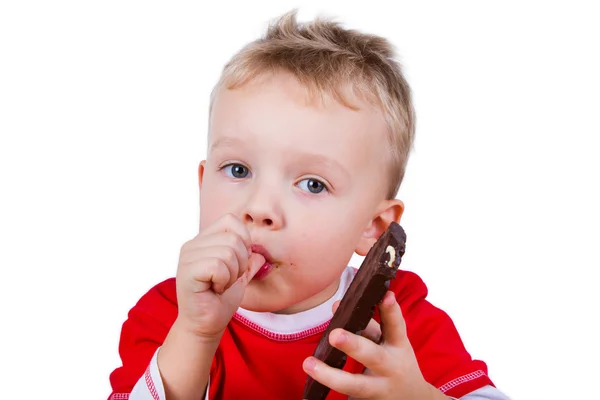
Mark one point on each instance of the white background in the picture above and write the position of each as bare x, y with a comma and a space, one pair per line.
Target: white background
103, 115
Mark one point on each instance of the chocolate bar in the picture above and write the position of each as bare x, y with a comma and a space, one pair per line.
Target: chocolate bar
356, 309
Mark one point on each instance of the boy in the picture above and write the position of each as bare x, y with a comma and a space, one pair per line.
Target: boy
310, 130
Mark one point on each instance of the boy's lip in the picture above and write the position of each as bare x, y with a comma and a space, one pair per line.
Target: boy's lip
258, 249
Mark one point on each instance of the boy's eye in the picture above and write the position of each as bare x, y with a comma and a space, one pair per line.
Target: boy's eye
236, 171
312, 185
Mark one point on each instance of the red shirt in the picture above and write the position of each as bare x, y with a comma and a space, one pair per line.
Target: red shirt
252, 362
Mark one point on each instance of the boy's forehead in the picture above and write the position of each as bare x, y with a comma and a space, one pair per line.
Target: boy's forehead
279, 98
303, 93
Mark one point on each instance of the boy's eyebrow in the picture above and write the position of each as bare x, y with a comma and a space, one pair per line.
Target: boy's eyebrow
314, 159
226, 141
322, 161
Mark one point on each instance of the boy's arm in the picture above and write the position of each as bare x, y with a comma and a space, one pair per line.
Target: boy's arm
188, 315
184, 363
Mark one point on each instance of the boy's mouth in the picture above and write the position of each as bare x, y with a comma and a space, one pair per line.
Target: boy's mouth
258, 249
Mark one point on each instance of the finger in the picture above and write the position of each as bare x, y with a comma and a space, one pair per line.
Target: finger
363, 350
211, 272
224, 253
254, 264
231, 223
371, 332
393, 325
354, 385
229, 239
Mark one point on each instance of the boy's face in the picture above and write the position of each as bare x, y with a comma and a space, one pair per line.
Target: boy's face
307, 179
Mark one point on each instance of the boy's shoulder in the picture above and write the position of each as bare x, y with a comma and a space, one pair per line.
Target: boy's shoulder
165, 291
157, 308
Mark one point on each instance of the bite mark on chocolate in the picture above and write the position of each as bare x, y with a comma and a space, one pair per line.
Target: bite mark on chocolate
392, 252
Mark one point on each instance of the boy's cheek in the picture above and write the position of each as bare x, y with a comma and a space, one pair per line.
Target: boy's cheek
323, 255
212, 206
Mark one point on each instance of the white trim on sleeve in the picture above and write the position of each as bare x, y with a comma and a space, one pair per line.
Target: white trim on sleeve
485, 393
149, 386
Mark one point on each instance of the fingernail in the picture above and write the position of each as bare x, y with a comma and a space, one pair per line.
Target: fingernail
339, 338
310, 364
388, 299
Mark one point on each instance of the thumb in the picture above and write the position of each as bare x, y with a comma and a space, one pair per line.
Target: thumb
255, 262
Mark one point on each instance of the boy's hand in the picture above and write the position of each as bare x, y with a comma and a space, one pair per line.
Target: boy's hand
214, 269
392, 371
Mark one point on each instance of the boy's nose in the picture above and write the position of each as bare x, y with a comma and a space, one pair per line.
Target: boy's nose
264, 217
259, 220
263, 212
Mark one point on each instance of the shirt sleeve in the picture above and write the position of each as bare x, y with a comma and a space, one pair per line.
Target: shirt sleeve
142, 334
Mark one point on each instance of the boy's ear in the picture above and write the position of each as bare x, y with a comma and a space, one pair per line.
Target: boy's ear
201, 173
389, 211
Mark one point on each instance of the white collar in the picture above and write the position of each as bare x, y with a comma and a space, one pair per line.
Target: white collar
294, 324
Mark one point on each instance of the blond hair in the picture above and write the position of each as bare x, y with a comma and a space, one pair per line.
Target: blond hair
328, 58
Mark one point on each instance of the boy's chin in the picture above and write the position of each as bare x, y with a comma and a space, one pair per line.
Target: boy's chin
257, 300
260, 306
